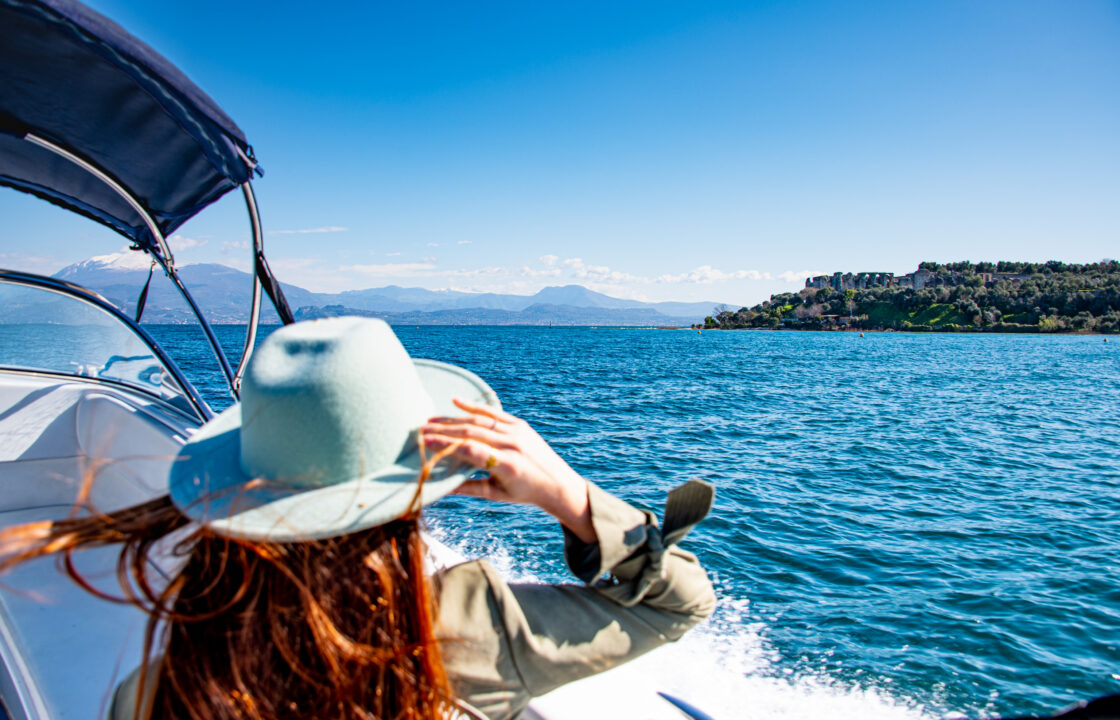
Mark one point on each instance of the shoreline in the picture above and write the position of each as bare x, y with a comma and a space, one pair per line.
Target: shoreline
913, 331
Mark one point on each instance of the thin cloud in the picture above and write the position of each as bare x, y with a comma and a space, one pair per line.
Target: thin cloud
320, 277
578, 269
706, 274
620, 281
392, 269
463, 242
515, 287
181, 242
527, 271
309, 231
486, 272
41, 264
798, 276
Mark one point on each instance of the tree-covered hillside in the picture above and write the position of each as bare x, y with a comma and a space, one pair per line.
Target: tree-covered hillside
963, 296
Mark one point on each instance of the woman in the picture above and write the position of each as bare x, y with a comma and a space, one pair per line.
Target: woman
302, 589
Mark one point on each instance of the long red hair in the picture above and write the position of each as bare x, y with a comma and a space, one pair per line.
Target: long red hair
341, 628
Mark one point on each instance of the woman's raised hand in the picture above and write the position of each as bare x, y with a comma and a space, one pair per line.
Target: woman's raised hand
523, 467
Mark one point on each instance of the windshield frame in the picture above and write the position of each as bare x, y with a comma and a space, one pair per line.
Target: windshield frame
201, 410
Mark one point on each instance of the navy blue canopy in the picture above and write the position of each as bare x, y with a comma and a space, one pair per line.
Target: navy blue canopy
78, 80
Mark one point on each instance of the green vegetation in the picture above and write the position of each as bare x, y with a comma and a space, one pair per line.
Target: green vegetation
956, 297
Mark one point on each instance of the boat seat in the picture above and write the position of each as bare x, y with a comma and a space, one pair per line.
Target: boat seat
63, 650
53, 435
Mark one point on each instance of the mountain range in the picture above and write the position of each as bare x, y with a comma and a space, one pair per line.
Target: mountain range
223, 294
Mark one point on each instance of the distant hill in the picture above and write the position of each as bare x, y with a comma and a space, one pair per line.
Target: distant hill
223, 294
954, 297
221, 291
539, 314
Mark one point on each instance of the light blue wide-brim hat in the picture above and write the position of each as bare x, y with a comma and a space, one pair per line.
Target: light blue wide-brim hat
324, 440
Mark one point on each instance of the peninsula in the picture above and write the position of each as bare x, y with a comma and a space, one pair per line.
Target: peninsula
951, 297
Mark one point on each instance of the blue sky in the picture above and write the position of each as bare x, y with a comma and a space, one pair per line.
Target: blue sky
660, 151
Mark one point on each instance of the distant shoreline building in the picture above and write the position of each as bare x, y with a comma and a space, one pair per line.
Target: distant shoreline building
917, 280
851, 281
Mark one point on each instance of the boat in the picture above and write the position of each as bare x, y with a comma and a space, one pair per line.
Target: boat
98, 123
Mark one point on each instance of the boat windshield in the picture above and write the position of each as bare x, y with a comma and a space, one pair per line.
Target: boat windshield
49, 330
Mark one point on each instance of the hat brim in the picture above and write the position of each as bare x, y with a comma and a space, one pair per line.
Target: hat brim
208, 485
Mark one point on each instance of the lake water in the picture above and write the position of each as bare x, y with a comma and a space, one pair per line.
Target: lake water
907, 525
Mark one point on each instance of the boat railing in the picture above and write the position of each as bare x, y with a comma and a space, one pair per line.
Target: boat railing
193, 400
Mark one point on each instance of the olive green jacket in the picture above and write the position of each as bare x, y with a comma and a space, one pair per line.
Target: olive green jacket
504, 644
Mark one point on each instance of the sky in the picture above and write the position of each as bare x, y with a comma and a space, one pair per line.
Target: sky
658, 151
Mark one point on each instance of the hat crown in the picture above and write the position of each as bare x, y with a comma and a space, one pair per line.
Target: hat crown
329, 401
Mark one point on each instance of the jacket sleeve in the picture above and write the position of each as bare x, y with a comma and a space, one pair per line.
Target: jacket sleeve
503, 644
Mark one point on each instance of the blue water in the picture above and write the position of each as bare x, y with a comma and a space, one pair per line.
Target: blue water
907, 525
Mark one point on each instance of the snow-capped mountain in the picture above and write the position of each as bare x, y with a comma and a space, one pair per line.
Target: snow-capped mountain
120, 261
223, 294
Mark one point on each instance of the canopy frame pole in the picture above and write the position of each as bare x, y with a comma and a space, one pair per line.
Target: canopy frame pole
263, 280
255, 307
116, 187
227, 371
161, 252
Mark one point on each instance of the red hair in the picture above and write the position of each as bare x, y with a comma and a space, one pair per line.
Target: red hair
341, 628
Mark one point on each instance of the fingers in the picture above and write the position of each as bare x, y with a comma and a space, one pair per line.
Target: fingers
473, 452
482, 409
465, 431
479, 416
476, 420
485, 489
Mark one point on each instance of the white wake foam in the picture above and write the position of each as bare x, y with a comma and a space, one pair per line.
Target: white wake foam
725, 668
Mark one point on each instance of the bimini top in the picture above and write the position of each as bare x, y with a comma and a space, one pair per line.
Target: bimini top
79, 81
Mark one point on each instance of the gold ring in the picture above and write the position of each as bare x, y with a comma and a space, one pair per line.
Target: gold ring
491, 462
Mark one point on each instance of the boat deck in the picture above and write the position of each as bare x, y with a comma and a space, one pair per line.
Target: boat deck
64, 650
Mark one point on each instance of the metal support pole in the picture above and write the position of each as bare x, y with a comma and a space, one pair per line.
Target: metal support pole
255, 308
210, 337
125, 195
